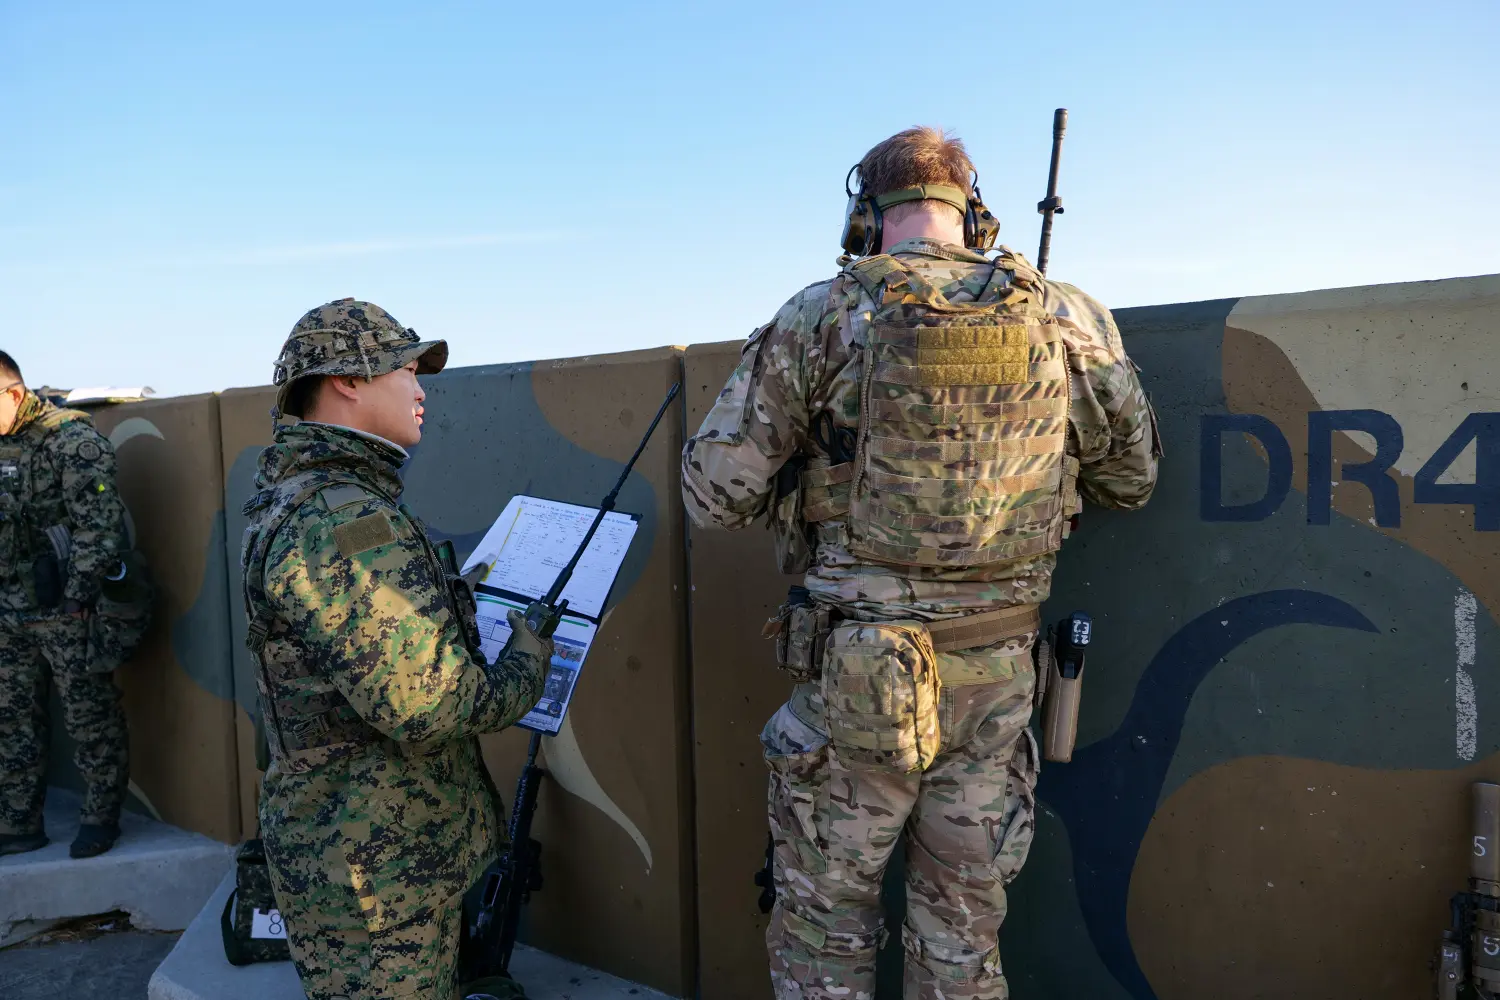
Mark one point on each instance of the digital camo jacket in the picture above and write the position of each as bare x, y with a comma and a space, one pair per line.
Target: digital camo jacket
375, 802
808, 360
56, 469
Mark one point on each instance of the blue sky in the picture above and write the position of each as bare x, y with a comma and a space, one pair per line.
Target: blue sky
179, 182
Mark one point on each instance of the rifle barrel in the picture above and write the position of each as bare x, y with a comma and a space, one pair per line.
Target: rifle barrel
1052, 203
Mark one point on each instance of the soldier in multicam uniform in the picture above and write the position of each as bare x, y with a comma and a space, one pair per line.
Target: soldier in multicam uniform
62, 532
920, 428
376, 812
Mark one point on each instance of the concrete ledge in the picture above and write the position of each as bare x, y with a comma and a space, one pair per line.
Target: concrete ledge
158, 874
196, 969
23, 929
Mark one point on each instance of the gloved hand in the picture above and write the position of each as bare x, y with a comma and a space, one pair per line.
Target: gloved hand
526, 642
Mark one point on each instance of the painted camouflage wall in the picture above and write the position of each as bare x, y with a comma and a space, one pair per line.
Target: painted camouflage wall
184, 762
1290, 688
1288, 696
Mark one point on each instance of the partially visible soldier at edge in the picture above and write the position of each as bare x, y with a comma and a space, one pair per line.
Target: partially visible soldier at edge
928, 493
377, 812
62, 531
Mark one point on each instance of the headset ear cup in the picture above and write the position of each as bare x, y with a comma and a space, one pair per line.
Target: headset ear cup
862, 226
980, 227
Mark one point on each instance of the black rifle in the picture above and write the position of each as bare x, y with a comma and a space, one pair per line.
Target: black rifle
1051, 204
507, 885
766, 878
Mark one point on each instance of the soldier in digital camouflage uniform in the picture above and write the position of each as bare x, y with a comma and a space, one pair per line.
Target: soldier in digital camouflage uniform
62, 531
924, 423
376, 811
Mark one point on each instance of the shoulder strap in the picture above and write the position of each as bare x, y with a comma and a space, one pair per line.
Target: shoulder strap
342, 493
871, 272
256, 605
1022, 268
888, 281
999, 278
49, 422
57, 418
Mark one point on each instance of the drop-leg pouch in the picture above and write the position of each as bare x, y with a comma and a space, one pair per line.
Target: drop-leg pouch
880, 691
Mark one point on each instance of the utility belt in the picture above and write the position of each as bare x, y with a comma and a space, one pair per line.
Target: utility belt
801, 629
880, 684
879, 680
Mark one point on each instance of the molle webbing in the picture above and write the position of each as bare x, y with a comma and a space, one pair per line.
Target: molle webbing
320, 726
961, 457
825, 490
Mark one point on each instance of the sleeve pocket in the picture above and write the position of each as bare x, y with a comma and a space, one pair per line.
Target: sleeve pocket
729, 417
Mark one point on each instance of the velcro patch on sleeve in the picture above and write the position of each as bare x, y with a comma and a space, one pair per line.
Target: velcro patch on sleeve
342, 495
363, 534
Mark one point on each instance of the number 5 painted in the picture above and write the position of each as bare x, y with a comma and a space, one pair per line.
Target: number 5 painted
1479, 847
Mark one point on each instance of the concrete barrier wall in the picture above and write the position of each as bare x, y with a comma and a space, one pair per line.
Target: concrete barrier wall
614, 814
1288, 697
1289, 690
736, 687
245, 426
178, 689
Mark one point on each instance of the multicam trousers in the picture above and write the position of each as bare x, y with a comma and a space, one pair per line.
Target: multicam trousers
968, 822
31, 651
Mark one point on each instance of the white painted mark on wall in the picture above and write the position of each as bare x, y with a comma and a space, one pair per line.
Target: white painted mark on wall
1465, 611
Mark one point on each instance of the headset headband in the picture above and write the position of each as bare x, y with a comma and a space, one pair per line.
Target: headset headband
945, 193
865, 217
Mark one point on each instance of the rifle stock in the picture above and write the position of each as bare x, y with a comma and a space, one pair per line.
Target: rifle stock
508, 883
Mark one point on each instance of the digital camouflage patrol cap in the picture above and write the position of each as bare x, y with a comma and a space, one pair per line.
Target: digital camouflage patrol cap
348, 337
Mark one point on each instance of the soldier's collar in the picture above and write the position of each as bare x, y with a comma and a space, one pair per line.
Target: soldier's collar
366, 435
32, 406
938, 248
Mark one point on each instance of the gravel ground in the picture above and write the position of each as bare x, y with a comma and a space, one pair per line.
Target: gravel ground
97, 957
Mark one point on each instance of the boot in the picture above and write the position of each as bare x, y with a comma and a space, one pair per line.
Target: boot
94, 839
20, 843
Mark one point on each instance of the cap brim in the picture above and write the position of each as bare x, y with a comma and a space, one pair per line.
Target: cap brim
431, 355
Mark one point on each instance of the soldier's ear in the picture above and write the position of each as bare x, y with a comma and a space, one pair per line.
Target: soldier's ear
344, 385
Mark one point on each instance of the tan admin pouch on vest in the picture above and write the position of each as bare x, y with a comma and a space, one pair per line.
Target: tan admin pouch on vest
880, 693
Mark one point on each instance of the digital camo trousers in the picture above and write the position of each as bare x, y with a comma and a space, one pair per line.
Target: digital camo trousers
968, 822
31, 654
339, 958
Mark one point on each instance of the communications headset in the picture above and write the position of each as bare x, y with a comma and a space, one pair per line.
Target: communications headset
866, 214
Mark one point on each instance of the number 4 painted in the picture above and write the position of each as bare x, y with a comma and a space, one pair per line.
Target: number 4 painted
1484, 492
